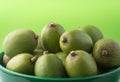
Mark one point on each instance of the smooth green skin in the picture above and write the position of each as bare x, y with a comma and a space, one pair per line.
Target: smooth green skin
49, 65
112, 59
76, 40
19, 41
39, 46
62, 56
80, 65
47, 41
38, 52
94, 32
21, 63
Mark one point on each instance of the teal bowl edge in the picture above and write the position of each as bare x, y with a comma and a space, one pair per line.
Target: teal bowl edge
2, 68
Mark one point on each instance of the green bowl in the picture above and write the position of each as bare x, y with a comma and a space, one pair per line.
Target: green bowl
10, 76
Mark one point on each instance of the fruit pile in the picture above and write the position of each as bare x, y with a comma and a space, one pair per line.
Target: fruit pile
58, 53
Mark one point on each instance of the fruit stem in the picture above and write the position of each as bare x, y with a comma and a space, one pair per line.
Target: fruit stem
52, 25
73, 53
104, 53
33, 59
64, 40
45, 52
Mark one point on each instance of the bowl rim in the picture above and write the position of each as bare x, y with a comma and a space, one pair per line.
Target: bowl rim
3, 69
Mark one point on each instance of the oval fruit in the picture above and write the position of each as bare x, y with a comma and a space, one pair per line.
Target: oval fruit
50, 35
49, 65
106, 53
19, 41
94, 32
79, 64
21, 63
75, 40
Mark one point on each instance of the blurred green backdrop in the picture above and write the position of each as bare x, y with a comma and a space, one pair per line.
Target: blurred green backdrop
34, 14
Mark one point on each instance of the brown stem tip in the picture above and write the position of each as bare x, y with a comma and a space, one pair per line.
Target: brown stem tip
33, 59
46, 52
104, 53
73, 53
64, 40
52, 25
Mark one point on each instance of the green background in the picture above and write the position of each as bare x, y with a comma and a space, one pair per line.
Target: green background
34, 14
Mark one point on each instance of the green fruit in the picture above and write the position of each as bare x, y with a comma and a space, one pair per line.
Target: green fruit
75, 40
21, 63
93, 32
38, 52
49, 65
6, 58
79, 64
106, 53
50, 37
62, 56
19, 41
39, 46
